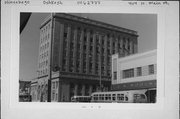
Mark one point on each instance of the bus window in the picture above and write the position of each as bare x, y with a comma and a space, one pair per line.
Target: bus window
106, 97
136, 96
142, 96
122, 97
118, 96
126, 98
95, 97
114, 97
102, 96
109, 96
139, 97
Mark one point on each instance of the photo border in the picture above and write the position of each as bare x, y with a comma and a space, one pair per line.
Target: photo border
162, 96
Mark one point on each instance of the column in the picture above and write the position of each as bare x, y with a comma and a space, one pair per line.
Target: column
61, 45
111, 51
68, 46
127, 43
94, 52
75, 89
100, 54
83, 90
105, 55
131, 46
68, 99
111, 45
116, 44
90, 89
121, 47
81, 50
75, 49
87, 53
56, 43
60, 90
135, 45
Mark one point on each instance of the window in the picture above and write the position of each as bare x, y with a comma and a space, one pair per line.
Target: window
126, 98
128, 73
102, 96
139, 71
142, 96
120, 97
136, 96
53, 95
151, 69
109, 96
106, 97
114, 97
95, 97
115, 75
53, 85
56, 84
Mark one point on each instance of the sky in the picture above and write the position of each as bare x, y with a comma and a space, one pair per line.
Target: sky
144, 24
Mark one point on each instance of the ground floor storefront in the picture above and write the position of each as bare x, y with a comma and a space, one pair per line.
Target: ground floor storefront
149, 86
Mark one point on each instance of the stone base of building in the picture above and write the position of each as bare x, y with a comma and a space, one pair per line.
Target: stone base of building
67, 86
63, 89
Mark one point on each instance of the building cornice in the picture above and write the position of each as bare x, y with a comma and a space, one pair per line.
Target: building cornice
94, 22
90, 22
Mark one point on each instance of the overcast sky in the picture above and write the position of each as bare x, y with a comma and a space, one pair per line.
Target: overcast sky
144, 24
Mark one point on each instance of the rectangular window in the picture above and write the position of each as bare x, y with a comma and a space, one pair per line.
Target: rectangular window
53, 95
113, 97
56, 96
151, 69
115, 75
139, 71
120, 97
57, 84
128, 73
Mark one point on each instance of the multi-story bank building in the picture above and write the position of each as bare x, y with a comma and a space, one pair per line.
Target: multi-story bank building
75, 55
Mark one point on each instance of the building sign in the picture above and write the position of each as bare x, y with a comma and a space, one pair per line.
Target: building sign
135, 85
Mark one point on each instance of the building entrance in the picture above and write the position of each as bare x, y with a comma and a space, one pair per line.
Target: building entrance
151, 95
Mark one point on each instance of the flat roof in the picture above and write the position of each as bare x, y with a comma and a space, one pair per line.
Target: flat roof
136, 55
89, 21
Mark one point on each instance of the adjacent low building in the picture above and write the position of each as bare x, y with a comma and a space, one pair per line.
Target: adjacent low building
135, 72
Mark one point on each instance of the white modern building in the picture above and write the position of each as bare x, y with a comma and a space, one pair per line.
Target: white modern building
135, 72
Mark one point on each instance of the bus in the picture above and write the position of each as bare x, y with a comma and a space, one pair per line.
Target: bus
81, 99
25, 98
133, 96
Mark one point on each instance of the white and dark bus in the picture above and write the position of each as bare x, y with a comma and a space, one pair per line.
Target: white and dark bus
133, 96
81, 99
